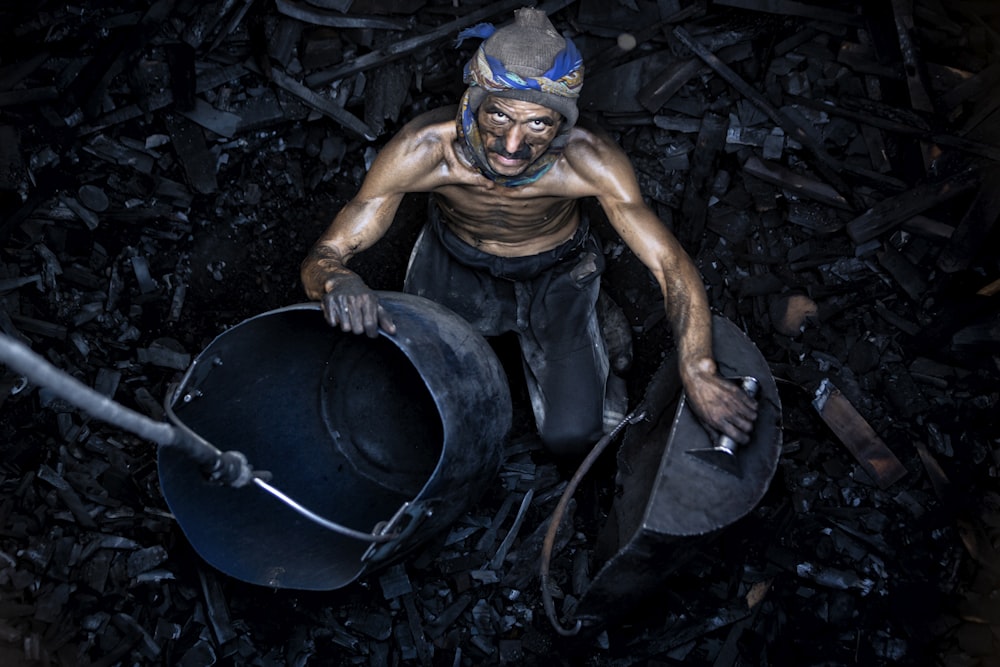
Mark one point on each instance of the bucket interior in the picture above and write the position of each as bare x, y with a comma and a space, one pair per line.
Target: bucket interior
380, 415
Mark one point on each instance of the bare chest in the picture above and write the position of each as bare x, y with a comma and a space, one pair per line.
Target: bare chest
507, 221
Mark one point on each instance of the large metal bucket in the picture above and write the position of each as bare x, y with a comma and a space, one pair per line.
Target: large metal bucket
406, 428
668, 502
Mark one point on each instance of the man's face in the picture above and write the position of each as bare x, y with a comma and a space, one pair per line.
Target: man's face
515, 133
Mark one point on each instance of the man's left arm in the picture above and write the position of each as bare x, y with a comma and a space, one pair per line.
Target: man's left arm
721, 404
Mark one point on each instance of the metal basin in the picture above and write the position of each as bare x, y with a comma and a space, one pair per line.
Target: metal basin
358, 430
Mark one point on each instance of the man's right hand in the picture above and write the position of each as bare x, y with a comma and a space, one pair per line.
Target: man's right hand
354, 307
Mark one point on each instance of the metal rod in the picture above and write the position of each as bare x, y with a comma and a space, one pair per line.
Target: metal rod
36, 368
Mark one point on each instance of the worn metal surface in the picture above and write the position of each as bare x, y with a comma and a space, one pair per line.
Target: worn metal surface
669, 502
353, 428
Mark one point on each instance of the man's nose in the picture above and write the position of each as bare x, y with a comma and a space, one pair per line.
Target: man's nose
514, 139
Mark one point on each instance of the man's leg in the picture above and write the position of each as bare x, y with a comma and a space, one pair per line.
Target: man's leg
565, 359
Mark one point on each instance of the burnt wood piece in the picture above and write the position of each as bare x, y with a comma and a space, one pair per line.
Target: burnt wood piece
857, 435
983, 109
791, 8
891, 212
780, 175
310, 13
969, 237
324, 105
407, 46
198, 162
913, 66
909, 277
711, 140
981, 83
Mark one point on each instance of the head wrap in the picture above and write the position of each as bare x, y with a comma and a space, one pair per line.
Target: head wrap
527, 61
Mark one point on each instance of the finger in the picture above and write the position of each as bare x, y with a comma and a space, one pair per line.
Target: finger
369, 317
735, 431
331, 311
340, 313
354, 319
385, 321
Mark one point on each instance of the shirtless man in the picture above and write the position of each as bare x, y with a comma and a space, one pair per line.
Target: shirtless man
506, 246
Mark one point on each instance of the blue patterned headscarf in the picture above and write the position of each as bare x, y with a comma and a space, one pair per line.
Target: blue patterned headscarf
526, 61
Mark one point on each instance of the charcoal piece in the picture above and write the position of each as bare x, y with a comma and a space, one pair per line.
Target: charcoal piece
165, 630
181, 62
857, 435
710, 141
801, 9
981, 83
438, 626
321, 47
488, 540
668, 83
317, 12
404, 642
395, 582
140, 267
890, 212
94, 571
322, 104
200, 654
50, 602
501, 554
94, 198
163, 355
970, 236
222, 123
198, 162
910, 49
281, 45
387, 90
146, 559
908, 276
420, 646
371, 622
147, 647
11, 165
216, 609
820, 220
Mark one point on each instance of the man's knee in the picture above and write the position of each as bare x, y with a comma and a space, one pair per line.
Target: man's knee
571, 440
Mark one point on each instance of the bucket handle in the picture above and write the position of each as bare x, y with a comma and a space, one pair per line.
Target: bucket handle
230, 467
560, 511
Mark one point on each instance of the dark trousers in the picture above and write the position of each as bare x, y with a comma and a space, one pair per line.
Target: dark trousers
549, 302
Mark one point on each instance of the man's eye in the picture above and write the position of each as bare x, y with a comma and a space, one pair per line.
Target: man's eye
499, 115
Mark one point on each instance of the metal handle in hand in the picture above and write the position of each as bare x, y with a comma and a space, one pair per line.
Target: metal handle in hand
750, 387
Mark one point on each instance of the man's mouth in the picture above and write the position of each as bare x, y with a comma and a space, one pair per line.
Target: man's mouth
508, 159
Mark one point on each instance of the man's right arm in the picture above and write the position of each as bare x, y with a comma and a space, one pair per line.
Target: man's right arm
400, 167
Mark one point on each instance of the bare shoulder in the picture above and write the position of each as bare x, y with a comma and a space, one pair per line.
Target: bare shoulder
416, 153
430, 127
595, 158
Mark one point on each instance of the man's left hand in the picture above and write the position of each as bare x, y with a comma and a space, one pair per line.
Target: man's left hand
720, 404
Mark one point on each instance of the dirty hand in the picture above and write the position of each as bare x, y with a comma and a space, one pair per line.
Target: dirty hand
721, 405
354, 307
